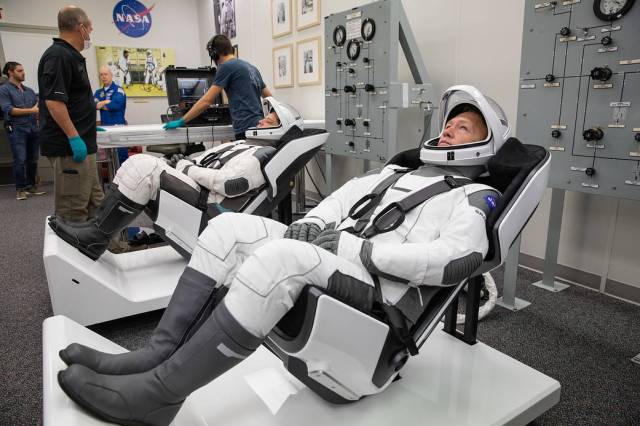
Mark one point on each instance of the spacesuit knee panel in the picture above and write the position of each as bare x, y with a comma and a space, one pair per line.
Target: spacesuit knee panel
279, 263
139, 177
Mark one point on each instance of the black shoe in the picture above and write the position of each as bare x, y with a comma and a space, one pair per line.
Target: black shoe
92, 239
155, 397
192, 302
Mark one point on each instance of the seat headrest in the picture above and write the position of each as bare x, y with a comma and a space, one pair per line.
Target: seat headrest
295, 133
513, 160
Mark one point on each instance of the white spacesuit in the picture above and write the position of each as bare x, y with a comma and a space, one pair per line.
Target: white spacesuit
227, 170
407, 229
123, 66
150, 69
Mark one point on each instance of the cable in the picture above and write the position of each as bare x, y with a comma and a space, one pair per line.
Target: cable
314, 183
319, 167
484, 310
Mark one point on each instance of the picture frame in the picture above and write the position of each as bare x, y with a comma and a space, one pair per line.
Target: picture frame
224, 17
308, 62
281, 18
283, 66
307, 14
236, 53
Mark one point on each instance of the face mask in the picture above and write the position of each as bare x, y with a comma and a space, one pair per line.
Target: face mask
87, 42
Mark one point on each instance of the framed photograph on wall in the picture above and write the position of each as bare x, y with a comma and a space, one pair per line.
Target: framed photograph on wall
307, 13
281, 18
224, 12
283, 66
309, 62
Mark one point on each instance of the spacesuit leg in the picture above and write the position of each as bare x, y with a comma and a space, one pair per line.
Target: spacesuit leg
222, 247
138, 182
267, 283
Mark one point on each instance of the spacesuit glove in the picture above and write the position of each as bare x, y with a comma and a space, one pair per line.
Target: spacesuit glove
302, 231
173, 161
174, 124
329, 240
79, 149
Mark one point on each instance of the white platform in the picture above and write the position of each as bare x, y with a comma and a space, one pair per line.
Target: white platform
449, 383
114, 286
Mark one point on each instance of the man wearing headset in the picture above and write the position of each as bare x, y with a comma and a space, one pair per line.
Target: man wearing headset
242, 83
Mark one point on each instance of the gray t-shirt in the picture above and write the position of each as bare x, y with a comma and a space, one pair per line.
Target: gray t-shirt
243, 84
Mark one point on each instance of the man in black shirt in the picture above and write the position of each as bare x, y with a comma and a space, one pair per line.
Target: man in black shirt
68, 118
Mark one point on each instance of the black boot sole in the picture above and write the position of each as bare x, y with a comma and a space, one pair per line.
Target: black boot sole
93, 410
76, 243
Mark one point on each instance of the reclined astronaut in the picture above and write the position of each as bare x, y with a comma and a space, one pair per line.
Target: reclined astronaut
262, 266
227, 170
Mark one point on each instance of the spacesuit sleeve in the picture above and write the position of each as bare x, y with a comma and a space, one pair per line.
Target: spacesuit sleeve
335, 208
458, 251
240, 175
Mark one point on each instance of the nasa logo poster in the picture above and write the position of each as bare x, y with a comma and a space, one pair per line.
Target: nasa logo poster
132, 18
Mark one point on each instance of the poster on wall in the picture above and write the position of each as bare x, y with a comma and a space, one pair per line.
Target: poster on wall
308, 61
139, 70
224, 12
280, 18
307, 13
283, 66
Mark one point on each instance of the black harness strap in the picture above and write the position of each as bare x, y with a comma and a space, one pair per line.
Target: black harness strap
362, 210
395, 319
389, 219
394, 214
210, 158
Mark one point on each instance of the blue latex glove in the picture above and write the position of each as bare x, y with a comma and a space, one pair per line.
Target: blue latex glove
174, 124
79, 149
100, 129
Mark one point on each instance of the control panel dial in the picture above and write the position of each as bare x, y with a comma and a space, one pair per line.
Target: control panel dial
353, 49
339, 35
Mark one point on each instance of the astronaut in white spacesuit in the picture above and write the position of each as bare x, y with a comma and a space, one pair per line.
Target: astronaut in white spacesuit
407, 228
227, 170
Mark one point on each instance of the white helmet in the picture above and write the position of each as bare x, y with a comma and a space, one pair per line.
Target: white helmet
287, 115
473, 153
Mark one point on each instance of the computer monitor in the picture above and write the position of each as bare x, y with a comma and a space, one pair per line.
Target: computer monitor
192, 89
186, 85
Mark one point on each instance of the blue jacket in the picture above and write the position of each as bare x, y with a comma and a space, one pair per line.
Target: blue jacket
114, 112
12, 97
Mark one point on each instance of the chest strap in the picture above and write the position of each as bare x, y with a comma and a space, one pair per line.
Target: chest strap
362, 210
212, 157
394, 214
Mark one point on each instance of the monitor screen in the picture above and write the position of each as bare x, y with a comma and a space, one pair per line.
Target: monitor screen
191, 89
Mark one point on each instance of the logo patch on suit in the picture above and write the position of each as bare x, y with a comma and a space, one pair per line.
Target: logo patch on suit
491, 201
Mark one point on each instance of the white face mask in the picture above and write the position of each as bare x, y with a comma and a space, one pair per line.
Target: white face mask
87, 42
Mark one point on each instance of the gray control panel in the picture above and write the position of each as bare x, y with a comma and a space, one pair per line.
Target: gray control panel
580, 92
369, 114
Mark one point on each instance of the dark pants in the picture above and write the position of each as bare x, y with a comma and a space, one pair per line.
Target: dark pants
25, 150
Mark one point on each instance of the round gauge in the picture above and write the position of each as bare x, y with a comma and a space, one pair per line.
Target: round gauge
608, 10
353, 50
339, 35
368, 29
